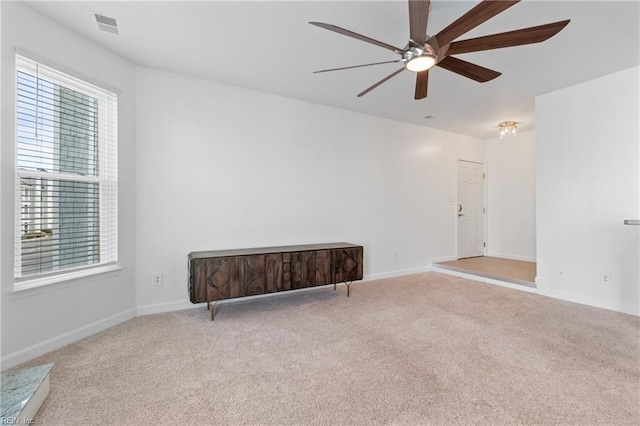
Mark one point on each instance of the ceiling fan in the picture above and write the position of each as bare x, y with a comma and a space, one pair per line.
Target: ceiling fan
423, 52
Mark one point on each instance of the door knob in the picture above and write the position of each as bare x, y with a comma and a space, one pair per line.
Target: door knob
460, 214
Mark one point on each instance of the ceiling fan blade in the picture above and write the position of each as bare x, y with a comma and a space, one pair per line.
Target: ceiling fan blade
356, 36
476, 16
520, 37
357, 66
389, 77
422, 83
418, 17
467, 69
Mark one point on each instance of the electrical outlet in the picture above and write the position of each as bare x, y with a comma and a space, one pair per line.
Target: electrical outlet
157, 279
605, 278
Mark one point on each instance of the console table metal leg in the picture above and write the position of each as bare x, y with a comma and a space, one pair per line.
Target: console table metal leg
211, 307
348, 284
334, 286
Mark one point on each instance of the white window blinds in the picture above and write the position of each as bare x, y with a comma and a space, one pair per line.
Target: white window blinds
66, 173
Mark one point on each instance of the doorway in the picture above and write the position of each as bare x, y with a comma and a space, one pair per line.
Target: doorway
470, 209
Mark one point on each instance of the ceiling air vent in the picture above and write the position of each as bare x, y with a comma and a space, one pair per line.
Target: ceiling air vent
106, 23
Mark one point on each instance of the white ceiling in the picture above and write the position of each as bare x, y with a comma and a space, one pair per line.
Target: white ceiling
269, 46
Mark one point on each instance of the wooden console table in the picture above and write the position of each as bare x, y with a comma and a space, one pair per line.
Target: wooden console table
227, 274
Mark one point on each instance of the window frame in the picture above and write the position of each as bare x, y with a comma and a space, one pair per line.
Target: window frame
106, 178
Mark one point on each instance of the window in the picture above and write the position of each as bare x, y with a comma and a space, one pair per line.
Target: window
66, 174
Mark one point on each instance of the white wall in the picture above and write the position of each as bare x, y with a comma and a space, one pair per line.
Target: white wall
587, 184
511, 197
36, 321
223, 167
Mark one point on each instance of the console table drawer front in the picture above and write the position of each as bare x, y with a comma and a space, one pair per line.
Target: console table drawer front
276, 271
197, 281
253, 275
347, 264
323, 267
303, 269
221, 278
210, 279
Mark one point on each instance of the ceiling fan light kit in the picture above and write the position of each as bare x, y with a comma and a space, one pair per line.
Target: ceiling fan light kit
420, 63
418, 59
422, 52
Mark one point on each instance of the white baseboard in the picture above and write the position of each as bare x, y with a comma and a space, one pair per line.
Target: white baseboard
158, 308
397, 273
485, 280
441, 259
590, 301
64, 339
512, 257
178, 305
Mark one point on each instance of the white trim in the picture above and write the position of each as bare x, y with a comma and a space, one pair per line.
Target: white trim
27, 54
58, 76
68, 278
396, 273
469, 277
178, 305
106, 179
64, 339
435, 260
625, 308
158, 308
512, 257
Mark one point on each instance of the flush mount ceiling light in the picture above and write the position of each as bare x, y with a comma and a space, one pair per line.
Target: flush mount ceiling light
508, 128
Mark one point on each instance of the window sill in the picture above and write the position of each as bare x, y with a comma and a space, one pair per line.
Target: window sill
40, 285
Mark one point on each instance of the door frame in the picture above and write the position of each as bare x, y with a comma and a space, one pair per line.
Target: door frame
484, 201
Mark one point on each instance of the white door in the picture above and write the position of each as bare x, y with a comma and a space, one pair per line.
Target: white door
470, 209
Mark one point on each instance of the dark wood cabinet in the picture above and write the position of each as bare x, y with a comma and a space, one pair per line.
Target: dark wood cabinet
226, 274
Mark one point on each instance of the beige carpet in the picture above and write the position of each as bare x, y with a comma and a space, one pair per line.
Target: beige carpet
423, 349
